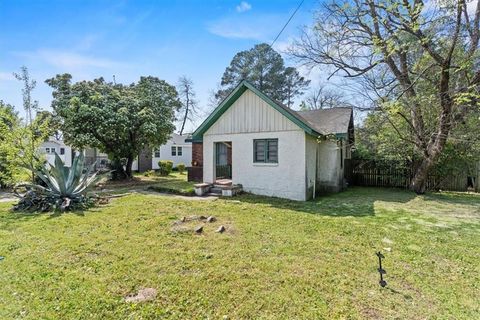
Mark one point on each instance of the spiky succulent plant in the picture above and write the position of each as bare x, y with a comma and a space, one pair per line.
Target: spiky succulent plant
66, 187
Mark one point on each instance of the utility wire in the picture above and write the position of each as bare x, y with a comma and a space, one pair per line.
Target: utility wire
288, 21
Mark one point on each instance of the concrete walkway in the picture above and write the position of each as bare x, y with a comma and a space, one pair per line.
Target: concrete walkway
7, 197
164, 194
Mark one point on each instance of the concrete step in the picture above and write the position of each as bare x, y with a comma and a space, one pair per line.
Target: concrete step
223, 182
216, 190
222, 186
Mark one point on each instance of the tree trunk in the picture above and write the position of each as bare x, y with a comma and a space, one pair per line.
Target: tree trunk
185, 116
118, 173
419, 180
128, 167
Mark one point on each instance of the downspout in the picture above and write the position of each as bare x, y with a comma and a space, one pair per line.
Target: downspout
316, 172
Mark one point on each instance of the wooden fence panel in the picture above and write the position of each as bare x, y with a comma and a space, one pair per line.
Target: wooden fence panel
397, 174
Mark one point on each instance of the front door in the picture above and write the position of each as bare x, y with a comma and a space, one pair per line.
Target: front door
223, 169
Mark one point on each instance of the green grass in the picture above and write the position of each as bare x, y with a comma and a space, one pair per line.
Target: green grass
278, 259
175, 183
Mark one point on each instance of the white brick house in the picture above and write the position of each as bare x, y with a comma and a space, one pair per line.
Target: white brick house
272, 150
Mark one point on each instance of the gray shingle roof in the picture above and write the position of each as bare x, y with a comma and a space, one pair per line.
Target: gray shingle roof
327, 121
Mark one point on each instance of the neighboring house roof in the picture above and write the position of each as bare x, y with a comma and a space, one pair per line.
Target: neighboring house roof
305, 120
175, 138
58, 142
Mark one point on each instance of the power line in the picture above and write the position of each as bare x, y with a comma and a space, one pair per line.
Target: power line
288, 21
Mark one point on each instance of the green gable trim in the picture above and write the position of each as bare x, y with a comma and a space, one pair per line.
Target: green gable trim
232, 97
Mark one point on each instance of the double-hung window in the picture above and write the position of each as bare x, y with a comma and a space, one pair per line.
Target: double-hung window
265, 150
156, 153
62, 151
177, 151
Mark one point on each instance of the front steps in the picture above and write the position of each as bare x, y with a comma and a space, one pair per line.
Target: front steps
219, 188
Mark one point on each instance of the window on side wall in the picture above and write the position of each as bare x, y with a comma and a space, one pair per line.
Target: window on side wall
47, 150
174, 151
265, 151
179, 151
53, 150
156, 153
62, 150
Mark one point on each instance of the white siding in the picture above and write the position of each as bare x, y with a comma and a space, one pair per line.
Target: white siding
311, 156
250, 113
285, 179
329, 176
66, 158
166, 154
251, 118
330, 173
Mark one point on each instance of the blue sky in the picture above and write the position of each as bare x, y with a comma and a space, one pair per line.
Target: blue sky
128, 39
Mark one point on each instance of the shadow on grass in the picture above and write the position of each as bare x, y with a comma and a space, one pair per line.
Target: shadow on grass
353, 202
12, 215
454, 198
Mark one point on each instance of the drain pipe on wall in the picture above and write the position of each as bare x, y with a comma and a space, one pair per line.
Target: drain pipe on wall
316, 172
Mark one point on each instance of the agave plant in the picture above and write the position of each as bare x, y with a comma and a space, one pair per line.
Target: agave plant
66, 187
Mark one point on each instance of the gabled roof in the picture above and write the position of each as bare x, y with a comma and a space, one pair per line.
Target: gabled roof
305, 120
328, 121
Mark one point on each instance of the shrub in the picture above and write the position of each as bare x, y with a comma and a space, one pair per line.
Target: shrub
149, 173
165, 167
66, 188
181, 167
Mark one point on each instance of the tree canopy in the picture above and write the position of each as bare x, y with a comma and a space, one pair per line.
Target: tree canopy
9, 122
120, 120
418, 63
264, 68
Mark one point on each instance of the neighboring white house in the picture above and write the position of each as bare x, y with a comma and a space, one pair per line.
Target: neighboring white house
52, 146
272, 150
177, 150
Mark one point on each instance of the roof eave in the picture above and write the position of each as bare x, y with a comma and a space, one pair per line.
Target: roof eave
197, 136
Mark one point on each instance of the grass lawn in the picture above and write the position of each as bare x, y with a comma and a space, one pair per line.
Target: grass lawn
174, 183
278, 259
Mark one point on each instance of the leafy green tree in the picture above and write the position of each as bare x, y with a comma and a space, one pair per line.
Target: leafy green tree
9, 123
119, 120
34, 130
264, 68
419, 61
379, 136
294, 86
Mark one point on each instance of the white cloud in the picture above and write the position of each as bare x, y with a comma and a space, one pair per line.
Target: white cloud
6, 76
472, 7
243, 7
67, 59
256, 27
